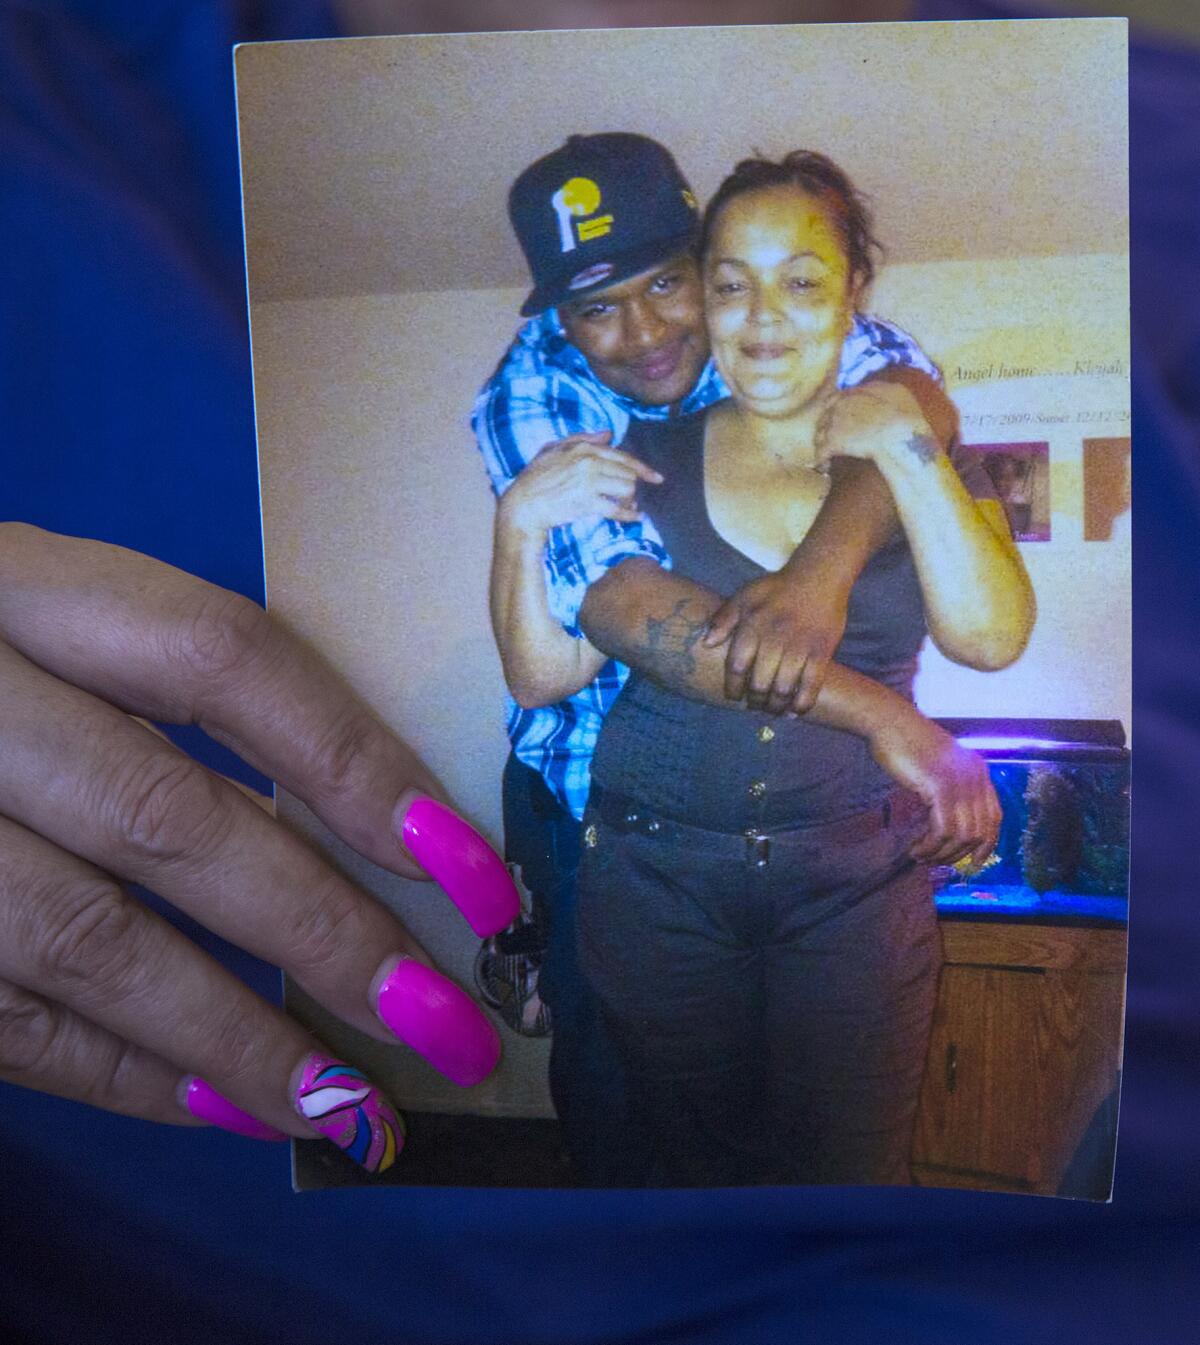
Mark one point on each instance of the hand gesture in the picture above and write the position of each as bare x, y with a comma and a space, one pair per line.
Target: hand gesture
103, 1000
964, 812
578, 478
876, 422
782, 631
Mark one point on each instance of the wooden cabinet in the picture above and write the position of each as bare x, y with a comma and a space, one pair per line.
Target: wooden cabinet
1025, 1048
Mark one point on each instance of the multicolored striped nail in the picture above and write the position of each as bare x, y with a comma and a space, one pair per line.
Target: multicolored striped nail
346, 1107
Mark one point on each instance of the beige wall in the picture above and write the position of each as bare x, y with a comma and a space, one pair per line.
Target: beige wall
374, 165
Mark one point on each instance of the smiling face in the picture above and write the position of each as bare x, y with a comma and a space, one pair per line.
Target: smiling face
644, 337
779, 297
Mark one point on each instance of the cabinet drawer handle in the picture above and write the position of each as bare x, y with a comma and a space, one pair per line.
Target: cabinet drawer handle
951, 1067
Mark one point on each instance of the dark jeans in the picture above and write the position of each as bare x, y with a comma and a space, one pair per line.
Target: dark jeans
771, 997
585, 1077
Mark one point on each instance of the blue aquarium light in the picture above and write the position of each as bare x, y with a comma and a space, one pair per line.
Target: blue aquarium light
1002, 743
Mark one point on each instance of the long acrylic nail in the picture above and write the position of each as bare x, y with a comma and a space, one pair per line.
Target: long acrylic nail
342, 1104
456, 856
438, 1020
206, 1104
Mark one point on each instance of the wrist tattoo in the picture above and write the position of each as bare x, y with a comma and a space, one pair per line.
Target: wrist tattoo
925, 446
671, 639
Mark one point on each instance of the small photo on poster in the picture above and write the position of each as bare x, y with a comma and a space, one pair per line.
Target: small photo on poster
1106, 493
1021, 475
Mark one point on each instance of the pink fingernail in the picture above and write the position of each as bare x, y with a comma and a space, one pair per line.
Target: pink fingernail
456, 856
439, 1021
345, 1106
206, 1104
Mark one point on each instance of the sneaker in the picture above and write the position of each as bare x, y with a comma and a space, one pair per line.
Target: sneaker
506, 974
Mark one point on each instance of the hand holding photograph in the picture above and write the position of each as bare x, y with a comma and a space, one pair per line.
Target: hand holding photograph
780, 349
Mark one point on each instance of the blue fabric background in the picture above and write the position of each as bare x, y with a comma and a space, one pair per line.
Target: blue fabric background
125, 414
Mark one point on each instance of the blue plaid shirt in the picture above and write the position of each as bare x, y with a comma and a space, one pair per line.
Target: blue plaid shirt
544, 390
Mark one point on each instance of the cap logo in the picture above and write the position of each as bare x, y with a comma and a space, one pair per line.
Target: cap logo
573, 203
688, 199
591, 275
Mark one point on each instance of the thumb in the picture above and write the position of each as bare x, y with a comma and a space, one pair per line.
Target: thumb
721, 625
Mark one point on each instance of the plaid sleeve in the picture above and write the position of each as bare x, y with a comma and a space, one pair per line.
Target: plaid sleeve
872, 345
579, 555
521, 409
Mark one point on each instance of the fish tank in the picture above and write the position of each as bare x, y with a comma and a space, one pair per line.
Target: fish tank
1063, 850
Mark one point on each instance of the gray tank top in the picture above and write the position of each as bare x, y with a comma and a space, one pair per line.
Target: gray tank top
734, 769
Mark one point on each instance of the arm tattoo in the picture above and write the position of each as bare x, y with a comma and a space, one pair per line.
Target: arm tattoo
925, 446
669, 644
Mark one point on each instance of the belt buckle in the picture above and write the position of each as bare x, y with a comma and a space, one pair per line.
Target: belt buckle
758, 847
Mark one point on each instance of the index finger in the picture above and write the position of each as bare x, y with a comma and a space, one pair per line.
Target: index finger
164, 644
739, 661
579, 437
635, 465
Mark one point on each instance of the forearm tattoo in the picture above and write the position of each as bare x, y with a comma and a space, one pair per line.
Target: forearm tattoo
925, 446
669, 644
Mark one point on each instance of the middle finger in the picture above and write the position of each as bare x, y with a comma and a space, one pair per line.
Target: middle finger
787, 679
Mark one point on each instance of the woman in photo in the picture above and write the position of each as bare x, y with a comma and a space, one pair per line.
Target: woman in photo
754, 904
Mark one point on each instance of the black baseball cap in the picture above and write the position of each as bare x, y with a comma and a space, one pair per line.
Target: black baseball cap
598, 210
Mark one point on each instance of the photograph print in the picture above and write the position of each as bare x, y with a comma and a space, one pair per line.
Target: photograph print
695, 423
